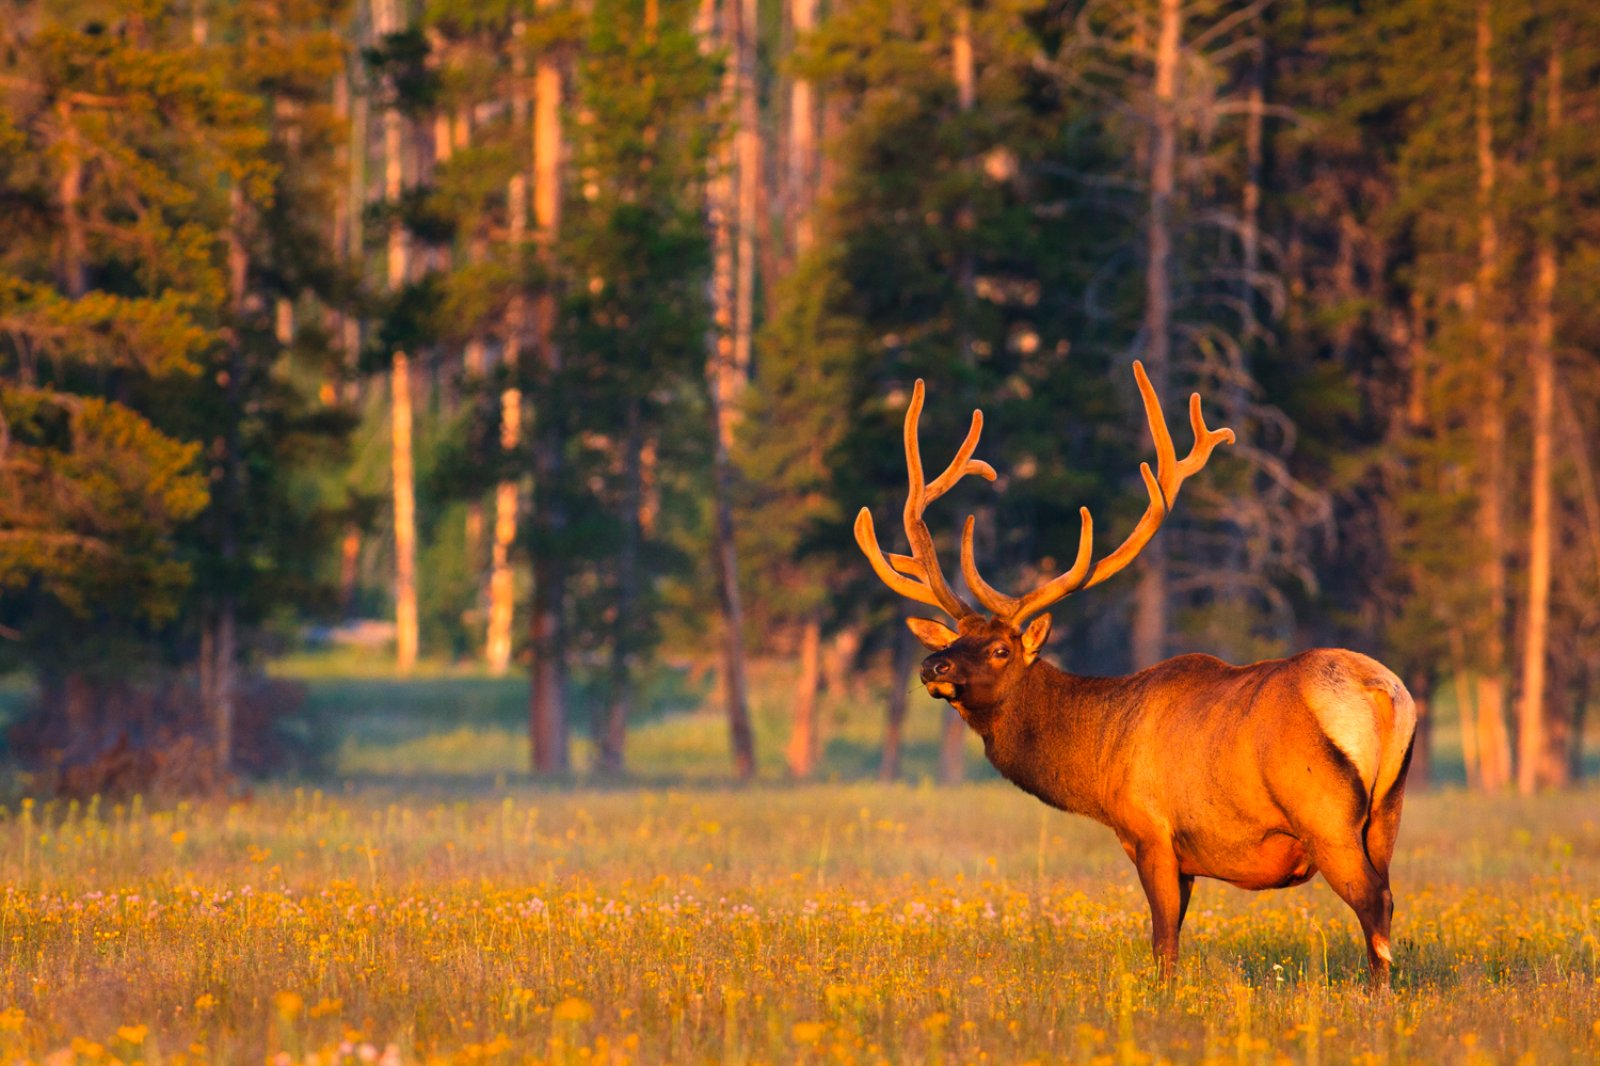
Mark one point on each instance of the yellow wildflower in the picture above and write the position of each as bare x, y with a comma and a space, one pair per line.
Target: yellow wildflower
289, 1005
809, 1032
573, 1009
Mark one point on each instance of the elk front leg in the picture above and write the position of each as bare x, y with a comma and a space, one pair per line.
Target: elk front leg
1168, 893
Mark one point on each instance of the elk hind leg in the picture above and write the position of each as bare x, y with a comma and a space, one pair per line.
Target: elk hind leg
1351, 874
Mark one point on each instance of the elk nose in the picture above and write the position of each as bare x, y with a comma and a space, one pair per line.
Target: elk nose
935, 668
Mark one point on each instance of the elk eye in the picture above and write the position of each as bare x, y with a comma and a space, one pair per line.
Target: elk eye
1001, 652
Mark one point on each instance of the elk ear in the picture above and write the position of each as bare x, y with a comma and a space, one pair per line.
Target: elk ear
1037, 633
935, 636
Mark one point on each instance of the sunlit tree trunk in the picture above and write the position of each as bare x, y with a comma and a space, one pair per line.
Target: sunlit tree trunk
502, 579
725, 382
747, 143
1533, 766
547, 707
805, 745
802, 135
405, 512
1150, 596
386, 21
1493, 742
804, 739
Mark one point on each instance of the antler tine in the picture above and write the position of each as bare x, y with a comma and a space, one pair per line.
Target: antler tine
1163, 486
1012, 608
867, 538
960, 466
918, 576
921, 494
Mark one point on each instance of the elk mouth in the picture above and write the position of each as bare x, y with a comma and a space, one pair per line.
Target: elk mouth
941, 690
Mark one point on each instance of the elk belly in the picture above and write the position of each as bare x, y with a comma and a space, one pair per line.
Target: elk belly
1275, 861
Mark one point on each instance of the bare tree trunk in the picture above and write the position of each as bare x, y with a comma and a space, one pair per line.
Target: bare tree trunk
224, 670
1150, 597
355, 200
1421, 773
747, 142
802, 134
952, 748
1493, 744
725, 380
547, 701
804, 740
901, 659
405, 513
1581, 692
502, 579
1466, 710
612, 730
73, 278
386, 21
1532, 764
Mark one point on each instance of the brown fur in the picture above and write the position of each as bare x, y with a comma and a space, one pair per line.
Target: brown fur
1260, 775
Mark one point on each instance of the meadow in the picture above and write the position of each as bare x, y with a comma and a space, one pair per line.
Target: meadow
457, 913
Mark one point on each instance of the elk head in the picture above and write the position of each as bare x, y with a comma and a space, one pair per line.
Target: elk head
979, 664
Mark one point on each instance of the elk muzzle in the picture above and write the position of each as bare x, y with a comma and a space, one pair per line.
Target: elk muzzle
938, 674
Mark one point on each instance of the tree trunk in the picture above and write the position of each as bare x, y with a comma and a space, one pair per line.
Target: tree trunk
386, 21
747, 140
73, 277
952, 748
1466, 709
224, 672
1421, 773
502, 579
1493, 743
405, 514
1150, 596
1532, 764
802, 135
1581, 691
804, 740
612, 730
725, 381
902, 658
547, 700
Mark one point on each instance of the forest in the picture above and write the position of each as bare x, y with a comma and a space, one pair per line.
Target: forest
566, 338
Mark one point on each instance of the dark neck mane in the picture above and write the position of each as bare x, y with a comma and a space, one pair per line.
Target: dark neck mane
1052, 736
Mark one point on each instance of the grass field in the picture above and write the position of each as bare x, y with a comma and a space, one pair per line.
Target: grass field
419, 900
833, 923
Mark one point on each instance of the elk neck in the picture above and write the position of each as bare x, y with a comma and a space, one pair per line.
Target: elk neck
1054, 736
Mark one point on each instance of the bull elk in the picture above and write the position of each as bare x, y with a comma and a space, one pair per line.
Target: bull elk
1259, 775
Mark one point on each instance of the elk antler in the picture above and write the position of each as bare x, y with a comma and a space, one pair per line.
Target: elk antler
917, 576
1163, 487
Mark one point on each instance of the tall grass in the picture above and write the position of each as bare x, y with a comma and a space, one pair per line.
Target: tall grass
857, 923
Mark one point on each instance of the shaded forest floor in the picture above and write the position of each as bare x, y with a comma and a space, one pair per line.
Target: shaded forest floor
846, 923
